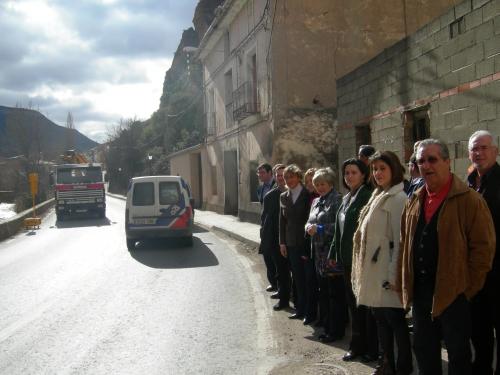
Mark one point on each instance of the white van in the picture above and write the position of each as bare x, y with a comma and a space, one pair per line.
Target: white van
158, 207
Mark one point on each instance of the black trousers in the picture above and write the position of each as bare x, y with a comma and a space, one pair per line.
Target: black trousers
311, 292
364, 339
271, 270
299, 278
391, 323
282, 275
453, 325
333, 305
485, 315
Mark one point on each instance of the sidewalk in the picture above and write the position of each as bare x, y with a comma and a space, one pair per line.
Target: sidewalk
247, 233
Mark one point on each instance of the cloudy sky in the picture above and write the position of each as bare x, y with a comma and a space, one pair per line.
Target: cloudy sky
101, 60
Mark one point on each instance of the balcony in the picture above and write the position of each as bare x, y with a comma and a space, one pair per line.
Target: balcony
211, 124
245, 101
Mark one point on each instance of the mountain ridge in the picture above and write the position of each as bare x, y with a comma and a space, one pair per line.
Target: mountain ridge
27, 132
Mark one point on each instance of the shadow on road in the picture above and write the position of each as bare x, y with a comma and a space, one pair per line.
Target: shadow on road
170, 253
198, 229
78, 222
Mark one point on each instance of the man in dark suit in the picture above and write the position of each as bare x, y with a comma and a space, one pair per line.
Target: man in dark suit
485, 306
295, 204
265, 174
269, 235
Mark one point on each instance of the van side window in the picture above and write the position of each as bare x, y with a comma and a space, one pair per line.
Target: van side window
169, 192
144, 194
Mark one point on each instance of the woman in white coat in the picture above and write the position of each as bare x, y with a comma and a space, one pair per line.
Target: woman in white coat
375, 260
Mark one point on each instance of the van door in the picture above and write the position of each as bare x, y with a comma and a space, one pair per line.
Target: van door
143, 203
171, 202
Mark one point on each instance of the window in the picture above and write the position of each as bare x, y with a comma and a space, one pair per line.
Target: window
416, 128
228, 86
457, 27
254, 181
227, 45
211, 112
213, 179
169, 193
144, 194
363, 136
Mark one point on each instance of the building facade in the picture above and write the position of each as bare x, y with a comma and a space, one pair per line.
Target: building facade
443, 81
269, 75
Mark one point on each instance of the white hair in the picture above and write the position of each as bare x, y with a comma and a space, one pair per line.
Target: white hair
481, 133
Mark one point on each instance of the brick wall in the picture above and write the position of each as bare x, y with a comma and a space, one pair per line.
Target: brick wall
450, 69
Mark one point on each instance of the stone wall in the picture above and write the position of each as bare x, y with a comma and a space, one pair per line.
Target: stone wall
450, 69
306, 138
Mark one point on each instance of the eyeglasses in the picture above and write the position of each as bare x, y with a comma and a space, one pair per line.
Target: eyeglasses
479, 149
430, 160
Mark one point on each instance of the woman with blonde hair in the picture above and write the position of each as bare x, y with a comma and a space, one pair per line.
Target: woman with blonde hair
375, 260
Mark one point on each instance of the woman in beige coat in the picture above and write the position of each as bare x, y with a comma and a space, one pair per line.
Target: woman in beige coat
375, 259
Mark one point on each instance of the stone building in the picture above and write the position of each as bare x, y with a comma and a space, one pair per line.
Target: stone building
270, 69
442, 81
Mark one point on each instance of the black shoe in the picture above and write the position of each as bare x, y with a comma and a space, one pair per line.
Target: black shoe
326, 337
349, 356
275, 296
308, 321
280, 306
296, 316
271, 288
367, 358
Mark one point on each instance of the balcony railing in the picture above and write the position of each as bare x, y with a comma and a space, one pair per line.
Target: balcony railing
211, 124
229, 115
245, 101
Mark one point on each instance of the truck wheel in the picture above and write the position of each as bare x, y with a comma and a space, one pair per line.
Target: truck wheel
130, 244
102, 214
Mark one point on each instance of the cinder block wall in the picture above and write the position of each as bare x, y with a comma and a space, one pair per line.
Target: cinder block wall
456, 78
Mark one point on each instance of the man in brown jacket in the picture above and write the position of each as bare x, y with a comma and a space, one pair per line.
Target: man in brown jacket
447, 247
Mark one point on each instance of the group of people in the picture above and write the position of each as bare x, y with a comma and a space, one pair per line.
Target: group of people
387, 246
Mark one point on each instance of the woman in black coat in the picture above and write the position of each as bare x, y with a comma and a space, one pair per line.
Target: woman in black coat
364, 342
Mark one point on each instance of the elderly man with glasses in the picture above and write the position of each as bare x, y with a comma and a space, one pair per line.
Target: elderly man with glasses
447, 248
485, 179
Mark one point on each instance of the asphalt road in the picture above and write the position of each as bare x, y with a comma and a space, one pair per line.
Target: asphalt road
73, 300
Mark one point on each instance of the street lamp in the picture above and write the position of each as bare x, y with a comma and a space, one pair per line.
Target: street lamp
150, 157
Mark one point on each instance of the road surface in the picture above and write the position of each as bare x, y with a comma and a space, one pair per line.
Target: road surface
73, 300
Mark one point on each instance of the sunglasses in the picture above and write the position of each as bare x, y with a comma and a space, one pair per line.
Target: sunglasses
430, 160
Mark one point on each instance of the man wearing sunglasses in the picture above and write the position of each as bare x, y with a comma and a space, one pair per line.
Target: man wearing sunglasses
485, 306
448, 244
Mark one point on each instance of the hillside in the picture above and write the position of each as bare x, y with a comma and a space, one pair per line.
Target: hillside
27, 132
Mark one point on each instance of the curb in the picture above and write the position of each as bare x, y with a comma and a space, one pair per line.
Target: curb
215, 228
10, 227
117, 196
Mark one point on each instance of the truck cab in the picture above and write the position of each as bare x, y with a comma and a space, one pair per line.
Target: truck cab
79, 188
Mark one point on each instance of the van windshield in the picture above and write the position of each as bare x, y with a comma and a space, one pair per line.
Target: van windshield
169, 192
144, 194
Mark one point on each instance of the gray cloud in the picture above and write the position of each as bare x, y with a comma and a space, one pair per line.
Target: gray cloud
101, 46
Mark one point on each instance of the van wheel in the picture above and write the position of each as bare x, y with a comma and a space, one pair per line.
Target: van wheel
187, 241
130, 244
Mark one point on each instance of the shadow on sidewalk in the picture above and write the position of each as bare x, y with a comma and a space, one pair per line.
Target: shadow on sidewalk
171, 254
